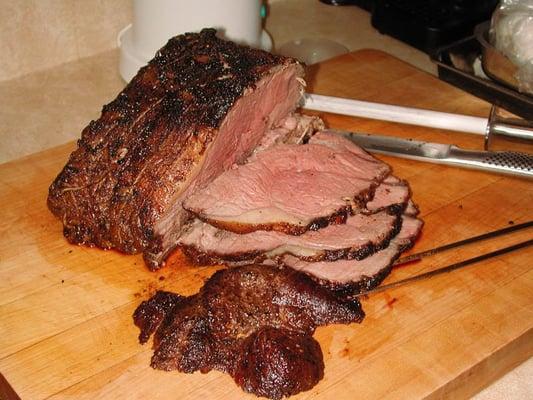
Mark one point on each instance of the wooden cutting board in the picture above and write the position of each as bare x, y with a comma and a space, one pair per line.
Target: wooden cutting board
65, 311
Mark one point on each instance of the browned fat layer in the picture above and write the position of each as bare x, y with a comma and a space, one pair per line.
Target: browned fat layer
116, 183
339, 217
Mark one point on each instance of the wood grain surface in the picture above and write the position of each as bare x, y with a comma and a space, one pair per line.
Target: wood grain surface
65, 311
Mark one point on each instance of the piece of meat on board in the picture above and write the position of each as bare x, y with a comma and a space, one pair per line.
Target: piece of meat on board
200, 106
253, 322
361, 236
348, 277
292, 188
393, 194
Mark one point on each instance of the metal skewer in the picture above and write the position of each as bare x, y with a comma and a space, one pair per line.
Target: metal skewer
448, 268
489, 235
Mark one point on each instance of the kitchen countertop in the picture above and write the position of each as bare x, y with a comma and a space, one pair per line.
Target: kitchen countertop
50, 107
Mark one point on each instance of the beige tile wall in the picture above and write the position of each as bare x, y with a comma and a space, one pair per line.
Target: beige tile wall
39, 34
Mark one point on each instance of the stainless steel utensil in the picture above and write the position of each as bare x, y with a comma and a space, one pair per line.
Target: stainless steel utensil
505, 162
485, 236
448, 268
508, 132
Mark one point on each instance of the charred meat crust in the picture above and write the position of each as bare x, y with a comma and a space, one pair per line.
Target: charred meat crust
199, 257
276, 362
151, 313
131, 161
253, 322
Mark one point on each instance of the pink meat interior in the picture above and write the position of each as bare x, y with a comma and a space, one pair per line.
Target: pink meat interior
260, 108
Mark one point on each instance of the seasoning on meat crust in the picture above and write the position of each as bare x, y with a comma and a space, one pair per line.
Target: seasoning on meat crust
253, 322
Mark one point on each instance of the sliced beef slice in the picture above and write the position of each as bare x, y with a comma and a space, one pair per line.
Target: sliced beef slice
291, 188
200, 106
253, 322
352, 276
393, 194
359, 237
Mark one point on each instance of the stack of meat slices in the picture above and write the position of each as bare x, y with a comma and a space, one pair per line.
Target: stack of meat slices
326, 208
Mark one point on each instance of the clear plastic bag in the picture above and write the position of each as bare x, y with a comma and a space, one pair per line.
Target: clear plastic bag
511, 33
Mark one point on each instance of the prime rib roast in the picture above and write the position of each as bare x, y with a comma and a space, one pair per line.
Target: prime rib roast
200, 106
203, 150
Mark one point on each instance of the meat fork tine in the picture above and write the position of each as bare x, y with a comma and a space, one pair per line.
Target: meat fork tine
448, 268
449, 246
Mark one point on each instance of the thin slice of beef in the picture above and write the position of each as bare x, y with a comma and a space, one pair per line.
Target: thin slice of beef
348, 277
292, 188
253, 322
359, 237
200, 106
393, 194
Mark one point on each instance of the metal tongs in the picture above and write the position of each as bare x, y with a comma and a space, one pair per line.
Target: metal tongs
458, 265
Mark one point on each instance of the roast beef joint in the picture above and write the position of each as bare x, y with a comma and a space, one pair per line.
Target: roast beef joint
199, 107
204, 151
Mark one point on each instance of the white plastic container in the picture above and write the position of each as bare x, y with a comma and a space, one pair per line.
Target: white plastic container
156, 21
